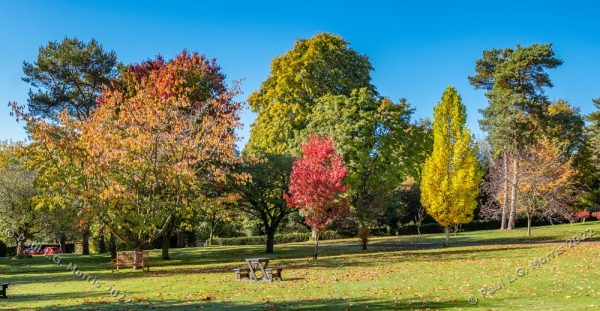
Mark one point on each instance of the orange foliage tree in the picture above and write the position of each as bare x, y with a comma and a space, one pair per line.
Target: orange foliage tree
162, 135
546, 188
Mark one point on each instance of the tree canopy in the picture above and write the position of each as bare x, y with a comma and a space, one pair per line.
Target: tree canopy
315, 67
514, 80
261, 195
451, 175
68, 75
317, 185
18, 213
372, 134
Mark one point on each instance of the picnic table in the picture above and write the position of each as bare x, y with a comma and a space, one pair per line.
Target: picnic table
255, 265
3, 290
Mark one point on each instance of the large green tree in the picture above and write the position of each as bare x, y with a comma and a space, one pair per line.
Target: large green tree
315, 67
18, 216
261, 195
451, 175
514, 80
372, 135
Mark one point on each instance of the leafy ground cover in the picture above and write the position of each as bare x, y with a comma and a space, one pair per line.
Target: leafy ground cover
401, 273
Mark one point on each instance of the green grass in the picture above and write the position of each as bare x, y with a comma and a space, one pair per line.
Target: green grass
402, 273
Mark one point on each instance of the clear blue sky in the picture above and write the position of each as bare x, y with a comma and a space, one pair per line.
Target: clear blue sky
417, 48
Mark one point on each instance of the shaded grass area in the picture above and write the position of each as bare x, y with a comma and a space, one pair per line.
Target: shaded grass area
396, 273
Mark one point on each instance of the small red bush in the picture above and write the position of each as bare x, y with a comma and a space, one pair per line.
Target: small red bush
583, 215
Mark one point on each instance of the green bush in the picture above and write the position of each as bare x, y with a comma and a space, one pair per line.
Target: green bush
279, 238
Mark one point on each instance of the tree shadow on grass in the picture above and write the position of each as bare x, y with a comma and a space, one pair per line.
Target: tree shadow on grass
310, 304
361, 259
336, 260
233, 257
289, 256
19, 298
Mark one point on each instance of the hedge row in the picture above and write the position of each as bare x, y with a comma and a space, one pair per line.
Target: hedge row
472, 226
332, 235
279, 238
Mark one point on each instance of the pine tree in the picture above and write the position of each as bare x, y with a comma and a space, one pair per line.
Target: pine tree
514, 80
451, 175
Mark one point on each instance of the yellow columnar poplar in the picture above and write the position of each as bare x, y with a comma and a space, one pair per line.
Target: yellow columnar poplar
451, 175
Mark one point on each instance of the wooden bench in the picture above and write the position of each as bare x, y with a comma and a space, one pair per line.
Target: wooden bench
274, 273
3, 290
131, 259
242, 273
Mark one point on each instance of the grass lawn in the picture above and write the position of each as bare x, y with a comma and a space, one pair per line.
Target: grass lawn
397, 273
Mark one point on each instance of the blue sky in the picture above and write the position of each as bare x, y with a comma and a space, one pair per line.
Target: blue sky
417, 48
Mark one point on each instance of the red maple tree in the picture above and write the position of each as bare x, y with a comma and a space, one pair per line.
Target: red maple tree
317, 185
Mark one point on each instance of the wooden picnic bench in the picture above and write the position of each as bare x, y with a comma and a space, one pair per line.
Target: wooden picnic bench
131, 259
3, 290
258, 265
273, 274
241, 273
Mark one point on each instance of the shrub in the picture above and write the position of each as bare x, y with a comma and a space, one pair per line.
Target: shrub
583, 215
279, 238
596, 214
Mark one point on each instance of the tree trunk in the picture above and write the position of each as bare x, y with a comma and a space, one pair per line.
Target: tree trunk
455, 230
419, 219
85, 243
101, 245
62, 241
166, 240
316, 235
181, 239
363, 234
270, 241
447, 235
211, 232
505, 194
513, 195
112, 245
20, 246
528, 225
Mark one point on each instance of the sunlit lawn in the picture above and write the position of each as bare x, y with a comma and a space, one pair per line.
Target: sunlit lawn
408, 272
